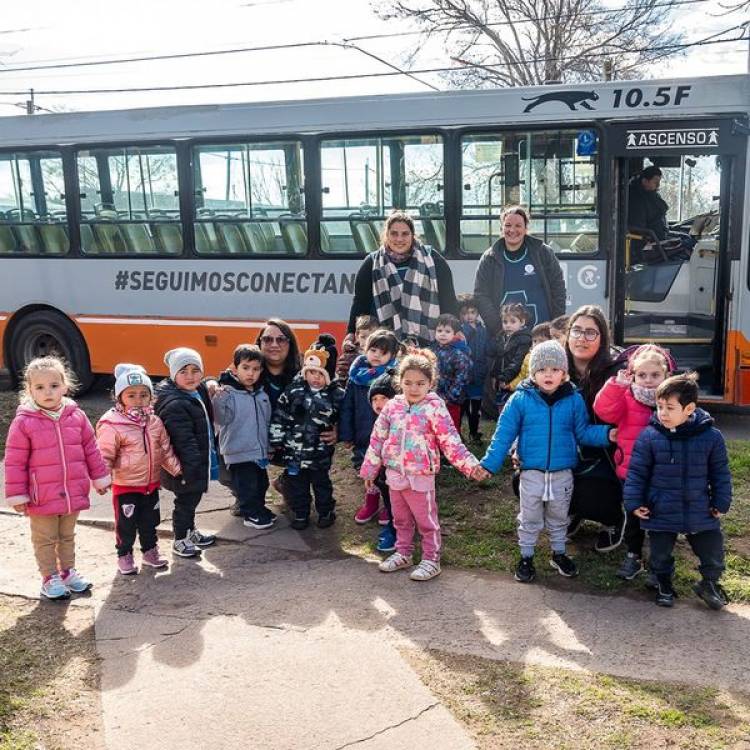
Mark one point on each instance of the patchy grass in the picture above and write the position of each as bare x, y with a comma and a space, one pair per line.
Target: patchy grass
507, 705
49, 688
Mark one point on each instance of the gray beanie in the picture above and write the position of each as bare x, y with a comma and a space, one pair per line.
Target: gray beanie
127, 375
176, 359
547, 354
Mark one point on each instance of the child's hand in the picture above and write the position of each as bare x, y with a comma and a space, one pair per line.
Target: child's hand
624, 377
102, 491
716, 513
613, 435
479, 474
329, 437
20, 508
369, 484
348, 444
642, 512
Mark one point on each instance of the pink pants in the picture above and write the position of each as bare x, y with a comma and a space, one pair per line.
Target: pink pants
411, 508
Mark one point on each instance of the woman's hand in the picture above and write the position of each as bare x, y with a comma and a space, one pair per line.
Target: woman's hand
624, 377
329, 437
642, 512
20, 508
211, 386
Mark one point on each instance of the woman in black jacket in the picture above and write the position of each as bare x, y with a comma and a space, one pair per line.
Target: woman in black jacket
518, 268
404, 284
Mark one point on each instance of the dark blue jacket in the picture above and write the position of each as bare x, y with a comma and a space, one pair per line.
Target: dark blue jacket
548, 427
679, 475
454, 370
476, 338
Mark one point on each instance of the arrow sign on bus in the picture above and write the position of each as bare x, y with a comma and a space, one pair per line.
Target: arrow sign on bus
672, 138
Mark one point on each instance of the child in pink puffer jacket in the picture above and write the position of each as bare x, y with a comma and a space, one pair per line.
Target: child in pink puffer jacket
136, 446
51, 460
407, 439
627, 401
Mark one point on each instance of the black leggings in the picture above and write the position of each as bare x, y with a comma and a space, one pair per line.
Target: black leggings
472, 407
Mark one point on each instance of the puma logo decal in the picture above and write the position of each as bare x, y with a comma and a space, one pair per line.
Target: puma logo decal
571, 98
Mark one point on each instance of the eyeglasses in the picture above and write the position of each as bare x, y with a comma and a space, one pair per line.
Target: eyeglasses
590, 334
278, 340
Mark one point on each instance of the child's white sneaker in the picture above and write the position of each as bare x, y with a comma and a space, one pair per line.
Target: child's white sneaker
425, 570
395, 562
54, 588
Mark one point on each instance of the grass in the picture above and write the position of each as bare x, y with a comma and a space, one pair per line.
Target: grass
506, 705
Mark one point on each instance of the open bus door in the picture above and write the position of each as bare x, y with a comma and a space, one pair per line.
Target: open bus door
672, 282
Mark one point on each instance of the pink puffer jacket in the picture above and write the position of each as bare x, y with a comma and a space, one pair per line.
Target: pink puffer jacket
616, 405
408, 439
50, 464
135, 453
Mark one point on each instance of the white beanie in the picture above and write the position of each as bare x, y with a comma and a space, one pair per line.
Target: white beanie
176, 359
127, 375
547, 354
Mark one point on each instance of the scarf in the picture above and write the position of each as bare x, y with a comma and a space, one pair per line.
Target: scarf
138, 414
52, 414
410, 307
645, 396
362, 373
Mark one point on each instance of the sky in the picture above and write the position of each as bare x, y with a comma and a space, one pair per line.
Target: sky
43, 32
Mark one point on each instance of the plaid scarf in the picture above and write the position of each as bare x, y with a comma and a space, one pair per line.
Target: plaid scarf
410, 307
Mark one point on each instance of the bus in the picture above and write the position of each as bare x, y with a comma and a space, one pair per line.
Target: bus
126, 233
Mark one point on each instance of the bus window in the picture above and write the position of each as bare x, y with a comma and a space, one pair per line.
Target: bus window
32, 204
249, 198
364, 179
129, 201
539, 170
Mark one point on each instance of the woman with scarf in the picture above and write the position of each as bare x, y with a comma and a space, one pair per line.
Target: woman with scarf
404, 284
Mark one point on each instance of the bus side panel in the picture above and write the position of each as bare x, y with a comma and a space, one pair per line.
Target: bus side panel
738, 368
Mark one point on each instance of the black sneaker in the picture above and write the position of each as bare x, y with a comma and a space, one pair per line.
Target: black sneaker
630, 568
564, 565
665, 595
574, 525
234, 508
712, 593
263, 519
201, 540
610, 538
327, 519
652, 582
300, 522
525, 570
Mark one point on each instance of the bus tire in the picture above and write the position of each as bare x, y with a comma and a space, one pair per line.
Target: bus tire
47, 332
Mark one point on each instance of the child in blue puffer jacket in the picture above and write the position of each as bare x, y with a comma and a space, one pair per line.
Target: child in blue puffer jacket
548, 416
453, 365
678, 481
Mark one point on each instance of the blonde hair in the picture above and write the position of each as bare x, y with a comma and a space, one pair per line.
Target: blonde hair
423, 360
46, 364
650, 353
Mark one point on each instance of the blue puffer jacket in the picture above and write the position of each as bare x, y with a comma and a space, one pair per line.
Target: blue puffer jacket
454, 370
476, 338
548, 427
680, 475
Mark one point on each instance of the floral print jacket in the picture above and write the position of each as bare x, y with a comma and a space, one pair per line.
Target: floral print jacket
408, 438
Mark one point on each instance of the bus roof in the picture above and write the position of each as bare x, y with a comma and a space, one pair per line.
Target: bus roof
696, 97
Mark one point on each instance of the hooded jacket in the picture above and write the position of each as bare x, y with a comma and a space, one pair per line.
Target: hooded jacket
134, 452
301, 415
510, 353
243, 418
489, 280
679, 475
647, 209
50, 464
548, 427
184, 417
454, 369
408, 438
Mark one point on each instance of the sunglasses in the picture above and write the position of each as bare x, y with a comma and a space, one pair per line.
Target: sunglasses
590, 334
279, 340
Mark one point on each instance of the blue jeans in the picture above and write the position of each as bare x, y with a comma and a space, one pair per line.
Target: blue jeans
707, 545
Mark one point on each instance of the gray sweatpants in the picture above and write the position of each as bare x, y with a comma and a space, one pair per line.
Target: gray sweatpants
545, 501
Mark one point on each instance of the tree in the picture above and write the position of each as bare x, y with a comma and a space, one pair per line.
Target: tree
528, 42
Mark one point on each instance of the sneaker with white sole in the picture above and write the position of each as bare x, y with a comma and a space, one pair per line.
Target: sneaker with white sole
263, 519
631, 566
425, 570
54, 588
563, 565
201, 540
395, 562
126, 565
73, 580
185, 548
152, 557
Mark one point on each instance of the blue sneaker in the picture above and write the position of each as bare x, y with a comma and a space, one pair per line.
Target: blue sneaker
54, 588
74, 581
387, 539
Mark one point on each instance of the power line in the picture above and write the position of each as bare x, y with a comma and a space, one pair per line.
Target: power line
384, 74
301, 45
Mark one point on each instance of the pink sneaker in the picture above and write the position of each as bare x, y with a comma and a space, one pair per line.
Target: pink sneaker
383, 518
126, 565
153, 559
369, 508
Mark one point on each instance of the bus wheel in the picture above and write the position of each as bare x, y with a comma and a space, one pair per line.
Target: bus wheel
48, 333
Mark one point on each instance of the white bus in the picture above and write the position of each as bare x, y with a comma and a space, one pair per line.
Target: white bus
124, 233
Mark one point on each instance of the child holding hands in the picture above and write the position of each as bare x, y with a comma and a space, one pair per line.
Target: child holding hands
51, 461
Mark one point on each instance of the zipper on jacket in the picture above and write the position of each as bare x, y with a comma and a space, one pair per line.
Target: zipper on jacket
549, 437
685, 503
148, 453
403, 439
64, 465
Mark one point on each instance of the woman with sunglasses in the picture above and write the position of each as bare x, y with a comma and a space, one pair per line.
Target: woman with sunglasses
281, 352
597, 492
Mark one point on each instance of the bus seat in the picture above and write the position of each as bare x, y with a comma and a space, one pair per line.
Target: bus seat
137, 238
87, 239
585, 243
54, 239
107, 239
325, 238
433, 224
27, 240
295, 235
207, 239
255, 238
365, 239
14, 215
232, 237
7, 240
168, 237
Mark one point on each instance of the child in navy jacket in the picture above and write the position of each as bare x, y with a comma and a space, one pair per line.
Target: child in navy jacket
678, 481
476, 338
453, 365
548, 416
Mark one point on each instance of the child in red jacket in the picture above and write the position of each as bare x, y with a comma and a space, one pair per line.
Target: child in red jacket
51, 460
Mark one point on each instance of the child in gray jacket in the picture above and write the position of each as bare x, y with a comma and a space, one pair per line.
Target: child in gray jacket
242, 413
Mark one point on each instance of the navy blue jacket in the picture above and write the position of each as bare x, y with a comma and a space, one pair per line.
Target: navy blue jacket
477, 340
548, 427
679, 475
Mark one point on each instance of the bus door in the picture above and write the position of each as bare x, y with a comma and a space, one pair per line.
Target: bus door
672, 262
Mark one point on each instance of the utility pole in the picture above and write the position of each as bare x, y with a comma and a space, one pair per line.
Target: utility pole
607, 69
30, 106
